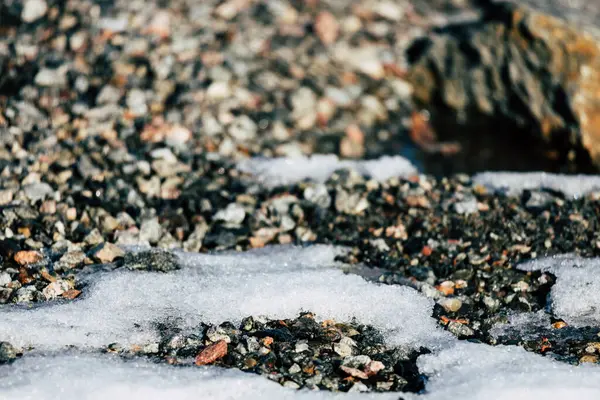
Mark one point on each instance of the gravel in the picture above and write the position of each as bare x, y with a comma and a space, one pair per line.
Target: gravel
126, 124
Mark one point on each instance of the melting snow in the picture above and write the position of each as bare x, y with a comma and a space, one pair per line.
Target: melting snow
277, 282
516, 182
575, 296
283, 171
89, 377
123, 306
470, 371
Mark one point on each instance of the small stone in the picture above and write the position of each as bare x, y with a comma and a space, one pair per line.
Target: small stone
106, 253
355, 372
539, 200
26, 257
358, 387
108, 223
291, 385
70, 260
151, 230
216, 334
55, 78
71, 213
390, 10
56, 289
6, 196
466, 206
94, 237
294, 369
178, 136
5, 294
160, 24
450, 305
233, 215
342, 349
319, 195
212, 353
48, 207
7, 353
459, 329
243, 129
301, 346
5, 279
327, 27
491, 304
446, 287
33, 10
588, 358
356, 361
26, 294
559, 325
71, 294
37, 191
374, 367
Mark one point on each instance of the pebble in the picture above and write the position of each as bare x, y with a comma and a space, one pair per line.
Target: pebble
234, 214
150, 230
327, 27
106, 253
7, 353
5, 278
460, 330
51, 77
450, 304
26, 257
212, 353
38, 191
56, 289
33, 10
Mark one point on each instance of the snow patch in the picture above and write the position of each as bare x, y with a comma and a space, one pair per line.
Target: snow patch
575, 297
124, 306
272, 172
516, 182
91, 377
476, 371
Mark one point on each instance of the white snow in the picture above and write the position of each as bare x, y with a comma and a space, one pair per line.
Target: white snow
122, 306
516, 182
526, 324
575, 296
92, 377
288, 170
464, 371
470, 371
277, 282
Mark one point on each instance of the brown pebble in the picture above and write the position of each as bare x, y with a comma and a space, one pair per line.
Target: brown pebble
559, 324
355, 372
588, 358
327, 27
71, 294
212, 353
26, 257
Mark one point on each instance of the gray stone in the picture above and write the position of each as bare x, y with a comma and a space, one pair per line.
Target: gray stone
7, 353
233, 215
51, 77
5, 279
318, 195
151, 230
38, 191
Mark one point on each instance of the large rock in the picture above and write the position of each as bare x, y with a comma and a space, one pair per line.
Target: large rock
518, 89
